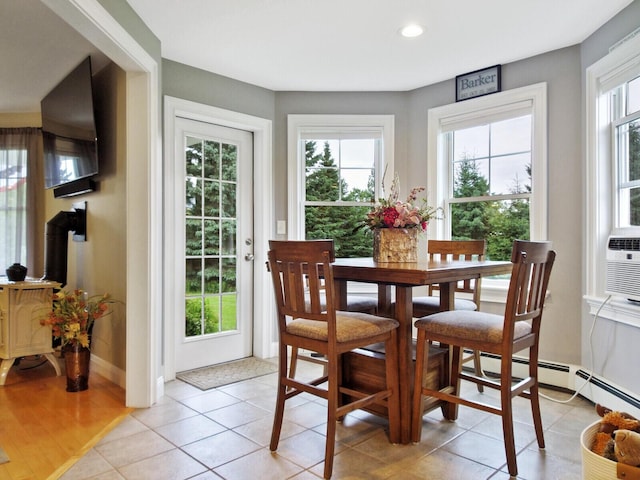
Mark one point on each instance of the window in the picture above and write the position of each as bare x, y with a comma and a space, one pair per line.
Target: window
625, 110
490, 168
21, 198
611, 176
490, 185
336, 165
13, 195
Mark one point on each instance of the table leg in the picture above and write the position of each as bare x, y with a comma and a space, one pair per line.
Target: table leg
404, 315
341, 293
384, 300
447, 296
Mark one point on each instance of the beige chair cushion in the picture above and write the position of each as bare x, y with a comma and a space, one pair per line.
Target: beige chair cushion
433, 303
480, 326
349, 326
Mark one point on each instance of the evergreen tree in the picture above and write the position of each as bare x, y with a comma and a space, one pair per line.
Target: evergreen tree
323, 183
509, 221
469, 221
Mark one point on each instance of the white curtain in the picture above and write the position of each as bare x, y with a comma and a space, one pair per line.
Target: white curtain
21, 199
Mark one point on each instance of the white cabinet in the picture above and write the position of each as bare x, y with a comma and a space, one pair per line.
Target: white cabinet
22, 305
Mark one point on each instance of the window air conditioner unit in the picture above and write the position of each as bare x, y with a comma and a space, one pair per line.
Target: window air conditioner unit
623, 267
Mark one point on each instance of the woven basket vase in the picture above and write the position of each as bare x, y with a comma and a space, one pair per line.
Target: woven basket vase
395, 244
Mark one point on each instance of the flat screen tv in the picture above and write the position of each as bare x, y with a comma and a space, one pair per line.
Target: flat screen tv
69, 132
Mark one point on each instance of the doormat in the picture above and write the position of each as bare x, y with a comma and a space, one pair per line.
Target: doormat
206, 378
4, 458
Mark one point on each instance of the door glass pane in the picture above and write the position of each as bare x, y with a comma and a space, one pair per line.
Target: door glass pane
210, 234
211, 237
212, 275
229, 275
194, 156
193, 314
212, 314
211, 198
193, 237
229, 312
229, 162
228, 237
193, 196
228, 200
194, 277
212, 159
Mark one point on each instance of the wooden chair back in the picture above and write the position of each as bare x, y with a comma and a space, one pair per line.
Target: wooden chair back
458, 250
302, 274
532, 264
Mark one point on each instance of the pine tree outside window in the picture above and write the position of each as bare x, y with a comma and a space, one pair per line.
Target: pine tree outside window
337, 171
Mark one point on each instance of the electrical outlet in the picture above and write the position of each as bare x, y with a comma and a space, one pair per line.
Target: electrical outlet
281, 227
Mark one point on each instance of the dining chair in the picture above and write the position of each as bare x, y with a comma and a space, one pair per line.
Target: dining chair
430, 304
503, 335
305, 324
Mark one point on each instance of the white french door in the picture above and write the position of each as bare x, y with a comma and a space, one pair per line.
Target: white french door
214, 236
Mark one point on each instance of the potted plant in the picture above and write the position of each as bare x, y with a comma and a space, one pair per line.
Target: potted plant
396, 224
71, 318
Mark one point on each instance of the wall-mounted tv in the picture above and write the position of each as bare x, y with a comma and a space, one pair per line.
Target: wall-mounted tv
69, 133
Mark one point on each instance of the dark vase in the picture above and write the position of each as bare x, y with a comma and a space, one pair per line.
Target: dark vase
16, 272
76, 360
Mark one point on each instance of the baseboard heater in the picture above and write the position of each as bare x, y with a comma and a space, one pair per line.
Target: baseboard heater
610, 389
525, 361
561, 376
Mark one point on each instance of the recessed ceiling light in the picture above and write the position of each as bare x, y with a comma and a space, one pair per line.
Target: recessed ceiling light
412, 30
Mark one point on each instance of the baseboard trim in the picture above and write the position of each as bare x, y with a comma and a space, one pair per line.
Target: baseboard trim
108, 371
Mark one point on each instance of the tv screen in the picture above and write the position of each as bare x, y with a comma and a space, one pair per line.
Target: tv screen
69, 130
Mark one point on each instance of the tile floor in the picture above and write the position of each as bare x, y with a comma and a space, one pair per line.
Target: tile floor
224, 434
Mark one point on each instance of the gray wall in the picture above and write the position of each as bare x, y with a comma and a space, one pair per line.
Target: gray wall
188, 83
562, 70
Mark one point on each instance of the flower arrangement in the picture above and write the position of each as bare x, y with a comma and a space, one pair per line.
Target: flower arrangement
73, 315
392, 213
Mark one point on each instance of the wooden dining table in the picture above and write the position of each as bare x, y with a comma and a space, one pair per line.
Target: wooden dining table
403, 277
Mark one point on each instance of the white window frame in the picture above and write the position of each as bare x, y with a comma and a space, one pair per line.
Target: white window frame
299, 126
530, 99
619, 66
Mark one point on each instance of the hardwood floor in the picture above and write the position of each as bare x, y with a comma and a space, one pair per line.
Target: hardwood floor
43, 428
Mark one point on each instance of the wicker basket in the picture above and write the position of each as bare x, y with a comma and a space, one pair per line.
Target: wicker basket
595, 467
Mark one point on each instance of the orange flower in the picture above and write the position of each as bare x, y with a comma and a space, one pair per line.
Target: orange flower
72, 315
